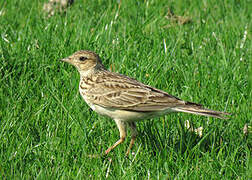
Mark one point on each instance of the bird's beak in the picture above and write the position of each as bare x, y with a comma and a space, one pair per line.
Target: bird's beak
65, 59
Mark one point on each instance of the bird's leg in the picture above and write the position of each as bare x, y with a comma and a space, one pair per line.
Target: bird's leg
122, 129
133, 128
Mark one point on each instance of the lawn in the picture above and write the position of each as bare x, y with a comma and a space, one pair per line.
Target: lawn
200, 51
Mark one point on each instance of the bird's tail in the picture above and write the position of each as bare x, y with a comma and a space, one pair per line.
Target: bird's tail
198, 109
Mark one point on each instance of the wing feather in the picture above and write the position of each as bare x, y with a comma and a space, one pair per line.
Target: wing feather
121, 92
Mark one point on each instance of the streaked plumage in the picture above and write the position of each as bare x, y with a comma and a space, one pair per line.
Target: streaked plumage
125, 99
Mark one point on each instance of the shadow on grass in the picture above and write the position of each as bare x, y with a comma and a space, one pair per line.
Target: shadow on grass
181, 141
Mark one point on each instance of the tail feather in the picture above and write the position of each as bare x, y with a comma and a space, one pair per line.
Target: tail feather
198, 109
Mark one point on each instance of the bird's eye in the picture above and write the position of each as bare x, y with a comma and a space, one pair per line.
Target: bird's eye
83, 58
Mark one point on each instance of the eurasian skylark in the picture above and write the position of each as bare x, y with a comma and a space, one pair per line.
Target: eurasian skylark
125, 99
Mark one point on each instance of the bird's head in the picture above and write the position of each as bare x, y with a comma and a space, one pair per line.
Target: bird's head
84, 61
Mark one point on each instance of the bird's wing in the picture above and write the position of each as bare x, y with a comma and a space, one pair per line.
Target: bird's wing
113, 90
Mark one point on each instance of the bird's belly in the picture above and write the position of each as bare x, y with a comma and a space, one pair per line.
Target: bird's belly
125, 115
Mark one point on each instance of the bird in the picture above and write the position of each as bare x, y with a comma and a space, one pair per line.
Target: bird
125, 99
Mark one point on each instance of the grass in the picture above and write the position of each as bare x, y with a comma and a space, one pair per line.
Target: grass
48, 131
